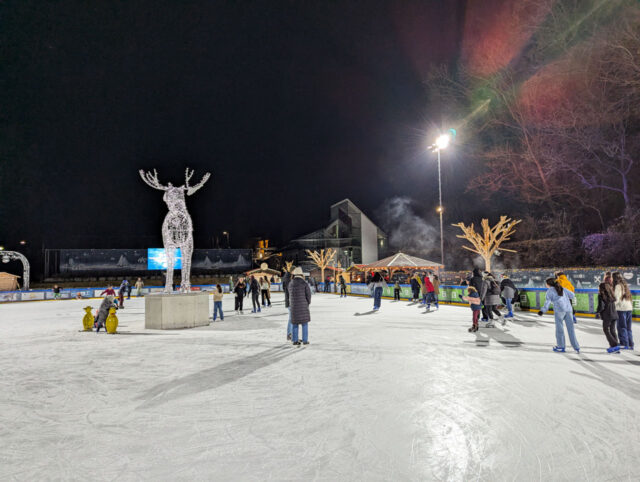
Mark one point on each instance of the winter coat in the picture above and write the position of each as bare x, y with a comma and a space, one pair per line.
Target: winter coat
103, 311
254, 286
239, 289
607, 309
299, 299
565, 283
436, 286
265, 286
415, 286
561, 303
217, 296
428, 285
508, 289
622, 305
490, 292
476, 280
286, 279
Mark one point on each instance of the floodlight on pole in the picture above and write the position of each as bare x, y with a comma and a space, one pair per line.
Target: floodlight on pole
442, 142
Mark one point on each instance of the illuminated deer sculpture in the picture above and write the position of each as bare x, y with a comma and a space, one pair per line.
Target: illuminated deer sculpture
177, 228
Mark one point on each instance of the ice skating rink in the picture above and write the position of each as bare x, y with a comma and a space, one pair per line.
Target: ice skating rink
396, 395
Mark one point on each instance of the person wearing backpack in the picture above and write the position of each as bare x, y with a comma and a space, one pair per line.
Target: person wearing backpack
607, 311
490, 296
508, 291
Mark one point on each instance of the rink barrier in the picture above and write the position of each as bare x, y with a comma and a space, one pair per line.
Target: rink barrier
531, 299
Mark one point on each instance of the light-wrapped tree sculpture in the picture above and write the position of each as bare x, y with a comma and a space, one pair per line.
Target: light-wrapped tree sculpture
322, 258
488, 242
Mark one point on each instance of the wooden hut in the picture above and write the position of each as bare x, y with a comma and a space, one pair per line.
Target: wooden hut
8, 281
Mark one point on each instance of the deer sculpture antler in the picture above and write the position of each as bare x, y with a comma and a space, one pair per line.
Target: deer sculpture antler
152, 180
188, 174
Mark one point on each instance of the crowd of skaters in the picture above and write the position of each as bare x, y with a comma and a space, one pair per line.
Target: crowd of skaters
484, 294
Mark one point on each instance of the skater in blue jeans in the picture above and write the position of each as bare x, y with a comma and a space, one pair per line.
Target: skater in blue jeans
217, 303
563, 312
377, 285
299, 301
624, 307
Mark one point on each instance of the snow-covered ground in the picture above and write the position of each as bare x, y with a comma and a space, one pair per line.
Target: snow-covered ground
393, 395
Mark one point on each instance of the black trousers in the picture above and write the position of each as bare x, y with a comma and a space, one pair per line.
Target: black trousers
343, 290
416, 293
265, 296
396, 294
239, 300
609, 328
488, 310
255, 300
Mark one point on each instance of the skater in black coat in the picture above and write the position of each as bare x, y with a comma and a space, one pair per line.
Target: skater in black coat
239, 290
415, 289
300, 299
476, 280
607, 311
254, 289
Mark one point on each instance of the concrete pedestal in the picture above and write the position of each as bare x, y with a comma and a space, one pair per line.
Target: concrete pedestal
164, 311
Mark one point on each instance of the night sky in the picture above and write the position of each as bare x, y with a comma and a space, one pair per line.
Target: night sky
292, 106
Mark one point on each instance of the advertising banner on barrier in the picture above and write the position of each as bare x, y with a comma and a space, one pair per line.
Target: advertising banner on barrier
32, 295
10, 296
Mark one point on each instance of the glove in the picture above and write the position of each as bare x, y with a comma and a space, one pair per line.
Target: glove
540, 313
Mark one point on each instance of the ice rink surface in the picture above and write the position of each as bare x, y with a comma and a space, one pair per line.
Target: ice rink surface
396, 395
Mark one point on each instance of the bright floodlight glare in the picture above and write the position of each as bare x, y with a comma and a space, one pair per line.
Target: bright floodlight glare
443, 141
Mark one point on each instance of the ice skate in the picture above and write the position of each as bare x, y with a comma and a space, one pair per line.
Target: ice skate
296, 343
557, 349
613, 349
305, 342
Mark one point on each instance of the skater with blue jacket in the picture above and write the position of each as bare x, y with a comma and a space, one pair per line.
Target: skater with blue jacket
563, 313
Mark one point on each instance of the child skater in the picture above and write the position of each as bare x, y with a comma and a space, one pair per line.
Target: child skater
473, 297
396, 291
609, 315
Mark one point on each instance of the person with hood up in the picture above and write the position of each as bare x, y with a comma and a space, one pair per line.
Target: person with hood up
490, 295
299, 300
254, 289
508, 291
562, 311
377, 285
566, 284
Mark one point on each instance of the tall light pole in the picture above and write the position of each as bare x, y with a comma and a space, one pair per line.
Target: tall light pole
441, 143
226, 233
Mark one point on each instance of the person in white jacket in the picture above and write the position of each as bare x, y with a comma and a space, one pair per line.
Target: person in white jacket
624, 307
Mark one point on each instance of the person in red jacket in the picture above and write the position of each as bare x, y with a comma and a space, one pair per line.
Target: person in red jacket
428, 294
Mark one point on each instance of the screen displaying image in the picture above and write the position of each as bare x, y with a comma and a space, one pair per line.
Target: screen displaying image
157, 259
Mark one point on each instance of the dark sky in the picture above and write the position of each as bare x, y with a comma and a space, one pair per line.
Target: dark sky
292, 106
